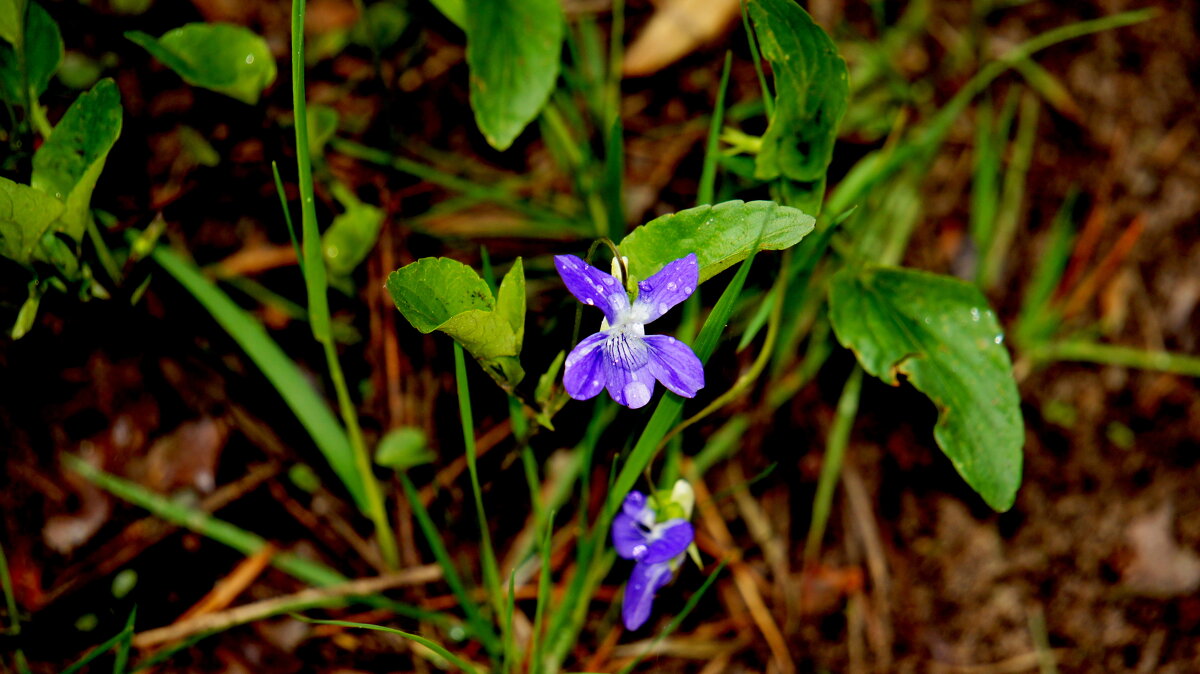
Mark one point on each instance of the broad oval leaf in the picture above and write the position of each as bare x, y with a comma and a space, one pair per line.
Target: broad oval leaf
447, 295
225, 58
940, 333
43, 54
811, 93
69, 163
513, 52
720, 236
25, 214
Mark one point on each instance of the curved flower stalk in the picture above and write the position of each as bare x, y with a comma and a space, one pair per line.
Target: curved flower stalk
657, 546
621, 356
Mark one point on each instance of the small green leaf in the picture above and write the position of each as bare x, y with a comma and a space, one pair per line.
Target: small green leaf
513, 51
11, 12
322, 125
43, 54
352, 235
68, 164
811, 92
225, 58
447, 295
28, 312
720, 236
404, 448
25, 215
381, 25
940, 333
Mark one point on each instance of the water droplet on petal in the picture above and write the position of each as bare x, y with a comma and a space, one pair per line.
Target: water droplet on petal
671, 286
688, 290
636, 394
595, 382
670, 340
662, 307
590, 302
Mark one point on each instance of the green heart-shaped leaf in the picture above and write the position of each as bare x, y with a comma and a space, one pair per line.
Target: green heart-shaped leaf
940, 333
447, 295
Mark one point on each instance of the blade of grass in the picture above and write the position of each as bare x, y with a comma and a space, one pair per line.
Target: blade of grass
768, 98
491, 573
280, 370
539, 613
1008, 215
708, 173
314, 265
416, 638
985, 190
287, 217
10, 599
123, 636
479, 626
511, 662
1037, 321
451, 182
876, 167
318, 300
831, 466
1111, 354
121, 659
202, 523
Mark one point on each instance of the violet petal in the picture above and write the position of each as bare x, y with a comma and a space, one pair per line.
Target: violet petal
592, 286
673, 284
628, 538
675, 364
634, 504
631, 388
645, 580
674, 537
583, 371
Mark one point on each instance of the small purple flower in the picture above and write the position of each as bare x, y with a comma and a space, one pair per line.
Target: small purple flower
622, 357
658, 548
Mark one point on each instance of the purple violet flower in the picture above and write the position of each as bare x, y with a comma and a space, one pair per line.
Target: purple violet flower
621, 356
658, 548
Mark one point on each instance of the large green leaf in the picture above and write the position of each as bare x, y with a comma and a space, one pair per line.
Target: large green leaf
720, 236
940, 333
811, 91
43, 54
68, 164
225, 58
447, 295
513, 51
25, 214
